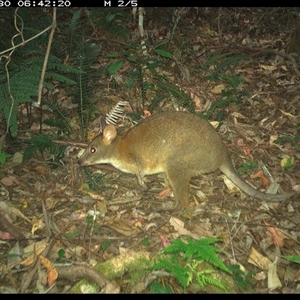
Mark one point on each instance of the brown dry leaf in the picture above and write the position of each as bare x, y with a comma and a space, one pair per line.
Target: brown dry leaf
164, 193
240, 142
276, 236
51, 270
273, 138
6, 236
179, 227
164, 241
36, 224
288, 114
137, 222
41, 169
215, 124
94, 195
257, 259
123, 228
296, 188
268, 67
273, 280
10, 180
264, 180
232, 188
37, 248
12, 212
202, 231
246, 151
90, 135
218, 89
146, 113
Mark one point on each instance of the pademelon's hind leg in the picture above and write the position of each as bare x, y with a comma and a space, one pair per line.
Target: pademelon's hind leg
179, 181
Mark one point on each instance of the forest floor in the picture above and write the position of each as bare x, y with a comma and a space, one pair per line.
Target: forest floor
52, 211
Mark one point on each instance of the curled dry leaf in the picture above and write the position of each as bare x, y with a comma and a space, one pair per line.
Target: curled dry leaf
240, 142
264, 180
51, 270
164, 241
146, 113
277, 237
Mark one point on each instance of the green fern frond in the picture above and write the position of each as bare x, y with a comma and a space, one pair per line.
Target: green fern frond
172, 265
58, 66
60, 78
229, 61
185, 260
176, 94
203, 279
213, 59
42, 144
199, 250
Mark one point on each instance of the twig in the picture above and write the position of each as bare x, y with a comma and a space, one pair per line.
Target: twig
53, 26
219, 26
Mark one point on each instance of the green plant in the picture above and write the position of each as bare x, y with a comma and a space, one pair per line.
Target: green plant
96, 182
221, 62
145, 73
293, 258
248, 166
3, 156
82, 55
189, 262
157, 288
242, 279
23, 83
69, 63
231, 93
294, 140
43, 144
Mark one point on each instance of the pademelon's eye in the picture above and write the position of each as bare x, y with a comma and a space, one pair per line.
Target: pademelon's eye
93, 150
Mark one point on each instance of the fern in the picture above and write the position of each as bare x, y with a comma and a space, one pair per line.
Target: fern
183, 260
199, 250
43, 144
242, 279
229, 60
172, 265
203, 277
213, 59
24, 80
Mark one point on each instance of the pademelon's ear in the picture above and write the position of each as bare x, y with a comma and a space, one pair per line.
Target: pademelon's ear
103, 124
109, 133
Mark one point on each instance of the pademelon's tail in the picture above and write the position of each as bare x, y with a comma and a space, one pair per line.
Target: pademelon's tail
229, 171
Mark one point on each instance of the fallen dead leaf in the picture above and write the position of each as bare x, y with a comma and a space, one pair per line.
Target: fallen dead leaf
264, 180
268, 67
51, 270
218, 89
36, 249
164, 241
257, 259
10, 181
232, 188
124, 228
179, 227
273, 280
276, 236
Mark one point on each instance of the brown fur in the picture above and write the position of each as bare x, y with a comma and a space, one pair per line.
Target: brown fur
180, 145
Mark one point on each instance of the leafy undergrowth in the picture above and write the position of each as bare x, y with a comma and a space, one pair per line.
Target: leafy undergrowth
58, 221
